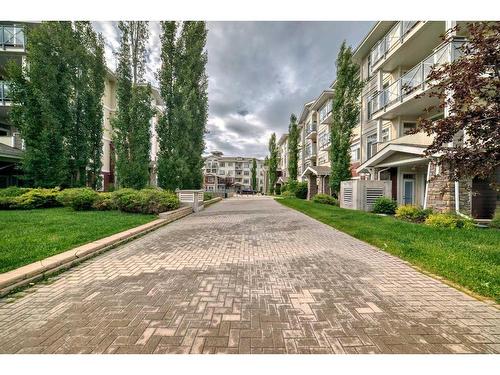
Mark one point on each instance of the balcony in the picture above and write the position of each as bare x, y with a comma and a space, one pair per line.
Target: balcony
13, 141
395, 37
4, 93
311, 129
12, 37
311, 151
412, 83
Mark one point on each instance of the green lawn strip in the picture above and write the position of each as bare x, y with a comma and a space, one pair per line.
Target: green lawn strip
469, 258
31, 235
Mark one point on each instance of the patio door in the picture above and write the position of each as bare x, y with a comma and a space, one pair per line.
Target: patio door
408, 188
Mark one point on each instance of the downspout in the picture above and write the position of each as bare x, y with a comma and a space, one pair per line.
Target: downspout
382, 170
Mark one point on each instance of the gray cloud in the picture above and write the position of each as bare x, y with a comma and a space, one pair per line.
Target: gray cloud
259, 73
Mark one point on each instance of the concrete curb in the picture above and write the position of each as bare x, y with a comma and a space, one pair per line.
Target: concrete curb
212, 201
35, 271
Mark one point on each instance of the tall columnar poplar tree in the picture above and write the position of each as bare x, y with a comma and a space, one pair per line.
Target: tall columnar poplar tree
345, 115
57, 106
293, 148
131, 124
183, 86
254, 175
273, 163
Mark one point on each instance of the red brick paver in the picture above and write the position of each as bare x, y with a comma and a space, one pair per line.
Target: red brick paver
246, 276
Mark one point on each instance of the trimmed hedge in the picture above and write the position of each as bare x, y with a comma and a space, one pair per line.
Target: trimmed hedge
207, 196
384, 205
288, 194
412, 213
151, 201
80, 199
30, 199
301, 190
325, 199
449, 220
104, 202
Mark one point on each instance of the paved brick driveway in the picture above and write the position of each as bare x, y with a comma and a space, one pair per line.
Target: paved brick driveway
246, 276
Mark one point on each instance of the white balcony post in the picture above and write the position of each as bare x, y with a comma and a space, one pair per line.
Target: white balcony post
449, 25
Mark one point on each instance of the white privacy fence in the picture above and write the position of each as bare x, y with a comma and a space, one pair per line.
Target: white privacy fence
193, 198
362, 194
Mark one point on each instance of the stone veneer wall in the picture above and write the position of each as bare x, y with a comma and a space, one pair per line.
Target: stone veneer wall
312, 187
441, 192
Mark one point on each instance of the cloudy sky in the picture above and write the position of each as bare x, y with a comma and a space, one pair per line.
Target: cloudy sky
259, 73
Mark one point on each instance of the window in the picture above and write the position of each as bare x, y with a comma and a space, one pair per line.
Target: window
229, 173
229, 164
371, 145
325, 110
246, 173
222, 164
408, 127
246, 165
355, 152
385, 134
221, 172
246, 181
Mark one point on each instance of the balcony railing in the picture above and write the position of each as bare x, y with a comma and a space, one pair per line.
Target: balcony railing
394, 37
4, 93
414, 79
311, 127
12, 36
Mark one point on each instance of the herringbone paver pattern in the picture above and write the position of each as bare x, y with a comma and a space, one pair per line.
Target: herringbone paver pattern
246, 276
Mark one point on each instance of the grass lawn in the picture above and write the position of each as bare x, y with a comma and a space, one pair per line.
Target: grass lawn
470, 258
31, 235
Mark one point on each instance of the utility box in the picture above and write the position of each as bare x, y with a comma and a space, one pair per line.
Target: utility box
193, 198
361, 194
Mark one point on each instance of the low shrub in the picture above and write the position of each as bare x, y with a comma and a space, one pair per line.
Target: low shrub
207, 196
13, 191
36, 198
148, 201
6, 203
277, 190
290, 186
495, 222
80, 199
104, 202
384, 205
288, 194
449, 220
412, 213
325, 199
301, 190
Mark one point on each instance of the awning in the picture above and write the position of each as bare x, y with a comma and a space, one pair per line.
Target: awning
395, 155
317, 170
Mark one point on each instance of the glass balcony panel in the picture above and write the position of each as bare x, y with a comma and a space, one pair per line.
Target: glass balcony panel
4, 92
11, 36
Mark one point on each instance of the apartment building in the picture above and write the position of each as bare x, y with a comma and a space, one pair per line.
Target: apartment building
395, 60
12, 47
231, 173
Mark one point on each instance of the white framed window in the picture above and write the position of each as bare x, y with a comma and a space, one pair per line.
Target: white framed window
326, 110
221, 172
355, 152
371, 145
408, 126
386, 134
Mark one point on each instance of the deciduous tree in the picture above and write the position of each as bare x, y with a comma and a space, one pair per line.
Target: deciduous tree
273, 162
293, 148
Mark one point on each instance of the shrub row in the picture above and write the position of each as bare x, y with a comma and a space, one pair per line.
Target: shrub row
150, 200
325, 199
294, 188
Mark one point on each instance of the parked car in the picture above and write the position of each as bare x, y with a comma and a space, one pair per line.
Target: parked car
246, 192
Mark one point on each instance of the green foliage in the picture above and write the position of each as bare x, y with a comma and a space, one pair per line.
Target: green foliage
277, 190
293, 148
145, 201
57, 104
448, 220
345, 116
384, 205
273, 163
36, 198
131, 123
183, 87
13, 191
495, 222
288, 194
301, 190
254, 175
325, 199
412, 213
104, 202
207, 196
33, 235
80, 199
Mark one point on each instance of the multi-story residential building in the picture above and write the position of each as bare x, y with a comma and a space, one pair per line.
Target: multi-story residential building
231, 173
13, 47
395, 60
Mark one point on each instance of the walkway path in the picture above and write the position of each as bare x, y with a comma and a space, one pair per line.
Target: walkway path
246, 276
